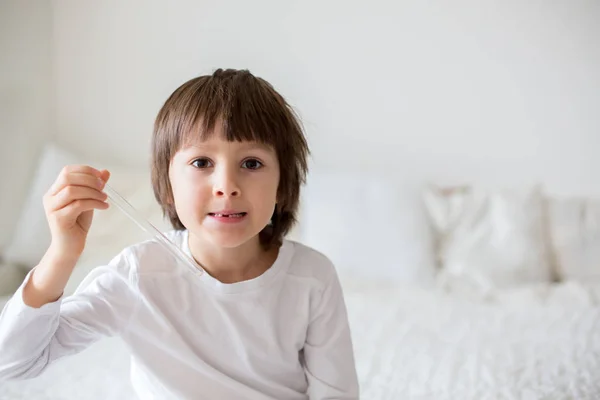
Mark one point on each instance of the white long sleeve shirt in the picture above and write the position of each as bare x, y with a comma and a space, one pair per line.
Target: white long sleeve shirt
282, 335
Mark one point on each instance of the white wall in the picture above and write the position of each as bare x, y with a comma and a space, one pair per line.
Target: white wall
26, 114
502, 92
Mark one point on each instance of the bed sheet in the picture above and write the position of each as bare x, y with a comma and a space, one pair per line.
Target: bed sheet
536, 342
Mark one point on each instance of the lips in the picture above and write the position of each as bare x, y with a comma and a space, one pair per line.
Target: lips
228, 214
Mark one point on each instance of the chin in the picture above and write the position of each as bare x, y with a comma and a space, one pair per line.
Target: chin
225, 236
227, 243
228, 239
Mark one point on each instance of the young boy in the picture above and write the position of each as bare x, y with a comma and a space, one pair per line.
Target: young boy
266, 320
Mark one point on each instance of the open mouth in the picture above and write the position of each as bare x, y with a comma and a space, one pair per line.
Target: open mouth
236, 215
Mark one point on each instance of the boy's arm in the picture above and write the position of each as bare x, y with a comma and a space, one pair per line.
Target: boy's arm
328, 352
32, 338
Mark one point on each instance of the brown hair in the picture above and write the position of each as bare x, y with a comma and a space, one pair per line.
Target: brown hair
249, 108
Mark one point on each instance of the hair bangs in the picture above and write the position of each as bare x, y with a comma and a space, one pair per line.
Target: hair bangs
245, 110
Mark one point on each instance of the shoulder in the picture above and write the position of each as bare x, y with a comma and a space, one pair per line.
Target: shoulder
311, 265
149, 256
128, 265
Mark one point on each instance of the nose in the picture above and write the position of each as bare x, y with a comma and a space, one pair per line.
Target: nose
225, 184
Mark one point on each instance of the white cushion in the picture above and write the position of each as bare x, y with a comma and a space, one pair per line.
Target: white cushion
25, 124
11, 278
490, 239
110, 228
575, 233
368, 226
32, 235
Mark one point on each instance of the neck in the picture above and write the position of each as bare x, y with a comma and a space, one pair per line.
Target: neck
230, 265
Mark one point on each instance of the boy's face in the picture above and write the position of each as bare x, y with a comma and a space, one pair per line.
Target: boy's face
225, 192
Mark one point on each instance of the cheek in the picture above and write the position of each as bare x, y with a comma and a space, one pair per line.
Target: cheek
266, 195
191, 195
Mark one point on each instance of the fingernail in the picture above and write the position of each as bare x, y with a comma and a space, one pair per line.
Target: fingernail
100, 183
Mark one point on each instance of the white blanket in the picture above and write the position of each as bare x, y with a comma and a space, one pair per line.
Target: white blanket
538, 342
534, 343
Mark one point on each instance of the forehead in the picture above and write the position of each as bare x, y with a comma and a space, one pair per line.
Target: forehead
217, 140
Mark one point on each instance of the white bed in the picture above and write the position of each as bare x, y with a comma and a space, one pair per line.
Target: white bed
534, 343
537, 342
531, 340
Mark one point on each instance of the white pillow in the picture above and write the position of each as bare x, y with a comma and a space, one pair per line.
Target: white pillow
32, 235
23, 130
489, 239
368, 226
575, 233
110, 228
11, 278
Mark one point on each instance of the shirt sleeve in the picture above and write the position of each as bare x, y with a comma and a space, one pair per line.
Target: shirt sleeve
32, 338
328, 352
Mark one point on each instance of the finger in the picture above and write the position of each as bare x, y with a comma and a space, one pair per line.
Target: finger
84, 169
73, 193
73, 210
105, 175
75, 179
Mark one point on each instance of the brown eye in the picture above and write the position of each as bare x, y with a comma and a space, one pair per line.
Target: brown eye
202, 163
252, 164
